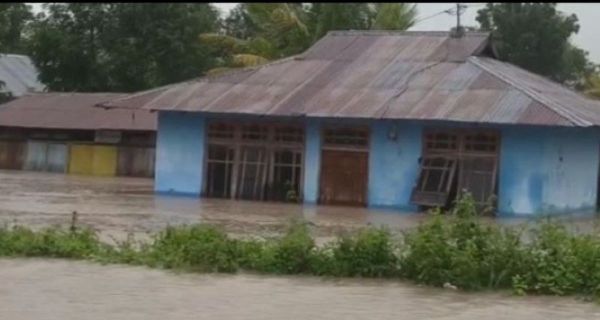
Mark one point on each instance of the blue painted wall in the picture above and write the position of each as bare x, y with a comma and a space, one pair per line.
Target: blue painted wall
548, 170
542, 169
312, 158
179, 153
393, 164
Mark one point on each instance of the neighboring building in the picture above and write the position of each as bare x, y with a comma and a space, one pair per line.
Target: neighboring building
63, 132
19, 75
384, 119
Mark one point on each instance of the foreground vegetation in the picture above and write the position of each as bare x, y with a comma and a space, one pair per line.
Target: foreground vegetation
457, 250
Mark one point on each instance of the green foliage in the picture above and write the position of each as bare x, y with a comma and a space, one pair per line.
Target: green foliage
592, 85
290, 254
120, 46
277, 30
462, 251
51, 242
370, 252
535, 36
197, 247
561, 263
395, 16
14, 18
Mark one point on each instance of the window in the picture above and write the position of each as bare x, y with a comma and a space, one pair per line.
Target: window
220, 130
434, 181
441, 142
287, 171
289, 134
219, 171
348, 137
481, 142
256, 162
457, 160
254, 132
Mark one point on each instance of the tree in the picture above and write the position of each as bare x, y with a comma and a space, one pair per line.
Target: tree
535, 36
334, 16
258, 32
120, 46
592, 85
395, 16
238, 23
156, 44
13, 19
66, 46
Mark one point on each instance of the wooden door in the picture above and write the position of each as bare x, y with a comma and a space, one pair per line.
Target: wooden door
11, 155
344, 177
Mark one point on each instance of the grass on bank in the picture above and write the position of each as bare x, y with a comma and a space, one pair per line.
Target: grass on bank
458, 249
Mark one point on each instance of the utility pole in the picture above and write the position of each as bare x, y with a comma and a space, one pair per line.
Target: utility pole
457, 16
459, 31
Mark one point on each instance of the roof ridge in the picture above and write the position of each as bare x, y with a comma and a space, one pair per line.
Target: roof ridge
548, 103
234, 71
404, 32
105, 104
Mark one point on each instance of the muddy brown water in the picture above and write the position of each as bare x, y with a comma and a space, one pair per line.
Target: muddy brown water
60, 289
116, 206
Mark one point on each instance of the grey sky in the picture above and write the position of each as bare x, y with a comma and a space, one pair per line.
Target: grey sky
588, 37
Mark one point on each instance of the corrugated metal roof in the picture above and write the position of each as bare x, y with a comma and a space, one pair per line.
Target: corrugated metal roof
19, 75
72, 111
382, 75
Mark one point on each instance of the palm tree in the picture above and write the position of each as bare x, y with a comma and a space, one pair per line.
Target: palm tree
283, 29
395, 16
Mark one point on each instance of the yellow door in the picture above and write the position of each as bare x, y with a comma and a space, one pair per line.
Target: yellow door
80, 159
105, 161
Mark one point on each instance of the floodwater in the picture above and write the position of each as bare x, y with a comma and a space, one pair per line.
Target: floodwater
65, 290
61, 289
116, 206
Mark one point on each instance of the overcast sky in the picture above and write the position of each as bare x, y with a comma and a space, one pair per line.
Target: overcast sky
588, 37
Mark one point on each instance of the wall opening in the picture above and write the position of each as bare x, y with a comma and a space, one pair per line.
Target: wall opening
456, 161
344, 166
254, 161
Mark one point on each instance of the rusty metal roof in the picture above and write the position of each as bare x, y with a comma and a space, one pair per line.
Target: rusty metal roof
72, 111
382, 75
19, 75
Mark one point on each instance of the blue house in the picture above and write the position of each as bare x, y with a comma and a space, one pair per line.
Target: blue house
380, 119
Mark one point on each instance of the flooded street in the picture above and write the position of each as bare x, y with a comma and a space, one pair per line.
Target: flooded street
60, 289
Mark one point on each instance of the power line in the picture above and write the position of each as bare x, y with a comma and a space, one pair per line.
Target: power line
450, 11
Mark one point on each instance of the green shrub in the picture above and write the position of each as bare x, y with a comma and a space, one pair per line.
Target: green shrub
461, 250
197, 247
290, 254
50, 242
560, 263
370, 252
